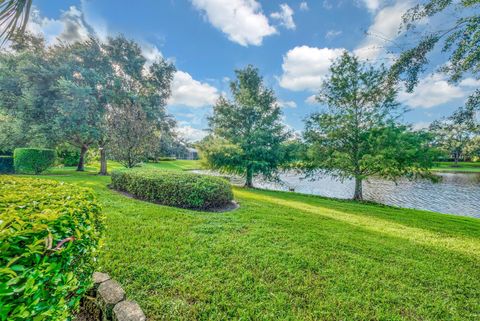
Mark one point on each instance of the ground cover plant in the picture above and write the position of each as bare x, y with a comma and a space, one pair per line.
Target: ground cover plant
179, 189
286, 256
49, 234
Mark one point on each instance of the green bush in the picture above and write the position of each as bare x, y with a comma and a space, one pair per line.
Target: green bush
6, 165
69, 155
33, 160
179, 189
49, 235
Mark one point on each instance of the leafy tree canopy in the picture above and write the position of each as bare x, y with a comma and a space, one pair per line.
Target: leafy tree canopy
358, 136
247, 132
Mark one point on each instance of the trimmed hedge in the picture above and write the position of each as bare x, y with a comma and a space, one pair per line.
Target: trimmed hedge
33, 160
6, 165
49, 234
178, 189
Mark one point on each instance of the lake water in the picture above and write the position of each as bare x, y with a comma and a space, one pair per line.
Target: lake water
456, 193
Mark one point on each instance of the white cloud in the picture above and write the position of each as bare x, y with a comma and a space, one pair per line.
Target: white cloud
242, 20
70, 27
470, 82
372, 5
305, 67
304, 6
333, 33
327, 5
191, 134
421, 125
150, 52
285, 16
187, 91
287, 104
385, 28
432, 91
311, 100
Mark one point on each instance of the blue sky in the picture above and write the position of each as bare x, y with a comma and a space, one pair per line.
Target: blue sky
292, 43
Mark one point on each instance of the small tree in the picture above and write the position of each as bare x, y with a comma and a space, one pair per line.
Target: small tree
358, 137
456, 135
247, 133
130, 134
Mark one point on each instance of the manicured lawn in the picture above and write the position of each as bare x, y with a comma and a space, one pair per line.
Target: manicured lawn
473, 167
285, 256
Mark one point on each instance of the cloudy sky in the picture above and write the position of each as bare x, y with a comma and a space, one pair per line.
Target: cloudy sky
292, 43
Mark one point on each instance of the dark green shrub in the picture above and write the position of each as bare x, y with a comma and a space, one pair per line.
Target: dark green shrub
33, 160
6, 165
179, 189
50, 232
69, 155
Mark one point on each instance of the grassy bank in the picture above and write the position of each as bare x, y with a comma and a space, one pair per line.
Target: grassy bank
466, 167
285, 256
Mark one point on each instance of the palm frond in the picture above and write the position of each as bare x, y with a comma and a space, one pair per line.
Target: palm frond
13, 17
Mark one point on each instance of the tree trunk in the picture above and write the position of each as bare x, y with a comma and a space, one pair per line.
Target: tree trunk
456, 157
103, 161
249, 178
358, 195
81, 161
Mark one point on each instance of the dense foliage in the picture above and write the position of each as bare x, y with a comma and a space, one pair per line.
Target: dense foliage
179, 189
358, 136
6, 164
68, 155
248, 135
49, 235
33, 160
54, 95
457, 136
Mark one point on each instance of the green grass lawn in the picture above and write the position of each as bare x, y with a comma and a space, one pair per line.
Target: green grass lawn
472, 167
286, 256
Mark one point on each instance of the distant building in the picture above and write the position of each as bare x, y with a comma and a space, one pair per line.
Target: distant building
188, 154
191, 154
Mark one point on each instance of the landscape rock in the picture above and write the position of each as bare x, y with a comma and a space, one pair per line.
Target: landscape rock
99, 277
109, 294
128, 311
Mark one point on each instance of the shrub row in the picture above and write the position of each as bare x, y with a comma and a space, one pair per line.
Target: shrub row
6, 165
179, 189
33, 160
50, 232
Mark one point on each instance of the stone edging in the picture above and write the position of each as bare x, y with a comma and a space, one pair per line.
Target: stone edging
110, 299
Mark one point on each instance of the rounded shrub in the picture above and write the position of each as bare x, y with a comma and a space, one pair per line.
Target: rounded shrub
50, 233
33, 160
6, 165
178, 189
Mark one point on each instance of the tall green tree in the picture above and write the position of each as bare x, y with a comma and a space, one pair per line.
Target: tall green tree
247, 132
83, 90
358, 136
143, 86
27, 78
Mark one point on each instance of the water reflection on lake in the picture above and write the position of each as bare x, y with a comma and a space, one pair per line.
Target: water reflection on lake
456, 193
